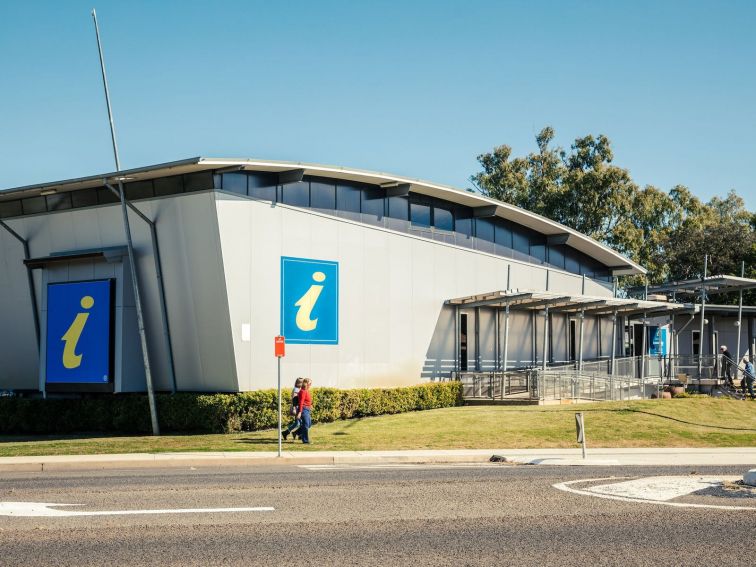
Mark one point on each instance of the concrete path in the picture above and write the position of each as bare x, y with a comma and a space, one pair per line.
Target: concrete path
738, 456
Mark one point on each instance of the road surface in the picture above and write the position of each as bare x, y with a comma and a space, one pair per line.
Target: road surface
379, 515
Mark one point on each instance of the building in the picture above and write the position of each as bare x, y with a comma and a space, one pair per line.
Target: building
374, 279
697, 332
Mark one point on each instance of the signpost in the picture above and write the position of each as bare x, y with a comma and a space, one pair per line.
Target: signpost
580, 430
280, 352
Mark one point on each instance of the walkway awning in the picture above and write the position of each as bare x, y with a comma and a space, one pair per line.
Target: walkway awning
712, 284
530, 300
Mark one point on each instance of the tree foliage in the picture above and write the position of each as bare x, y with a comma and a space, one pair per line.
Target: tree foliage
668, 232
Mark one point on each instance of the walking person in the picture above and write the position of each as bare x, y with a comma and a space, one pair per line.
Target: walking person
305, 409
293, 411
727, 364
748, 378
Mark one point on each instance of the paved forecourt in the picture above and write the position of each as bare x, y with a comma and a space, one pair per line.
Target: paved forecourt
738, 456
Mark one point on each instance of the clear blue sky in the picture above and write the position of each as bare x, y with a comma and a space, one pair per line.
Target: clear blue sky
418, 88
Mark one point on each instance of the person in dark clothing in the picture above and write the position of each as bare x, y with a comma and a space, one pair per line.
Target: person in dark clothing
727, 364
293, 410
748, 378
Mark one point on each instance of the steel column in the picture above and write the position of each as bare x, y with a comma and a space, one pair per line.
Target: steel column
497, 350
477, 339
703, 313
457, 338
740, 320
643, 349
506, 335
139, 314
545, 336
614, 344
580, 342
161, 286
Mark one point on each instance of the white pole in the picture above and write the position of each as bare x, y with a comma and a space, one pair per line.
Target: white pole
703, 317
130, 246
280, 415
740, 322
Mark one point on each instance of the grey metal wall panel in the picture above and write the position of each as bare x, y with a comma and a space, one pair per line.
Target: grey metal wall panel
560, 338
590, 336
18, 344
393, 325
195, 286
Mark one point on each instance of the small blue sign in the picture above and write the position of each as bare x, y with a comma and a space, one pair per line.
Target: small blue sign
309, 301
78, 332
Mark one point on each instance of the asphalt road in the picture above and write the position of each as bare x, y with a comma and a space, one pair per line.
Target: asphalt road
432, 515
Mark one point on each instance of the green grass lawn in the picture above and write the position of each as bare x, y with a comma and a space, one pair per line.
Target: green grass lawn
689, 422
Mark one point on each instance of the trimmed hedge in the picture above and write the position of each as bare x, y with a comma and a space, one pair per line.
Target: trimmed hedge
211, 413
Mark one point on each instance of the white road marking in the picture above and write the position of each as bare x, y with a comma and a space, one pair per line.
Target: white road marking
652, 490
658, 488
415, 466
40, 509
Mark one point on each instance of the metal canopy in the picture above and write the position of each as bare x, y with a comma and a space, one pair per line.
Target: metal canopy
529, 300
712, 284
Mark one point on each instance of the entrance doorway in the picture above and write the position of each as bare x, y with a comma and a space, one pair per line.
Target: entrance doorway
463, 342
573, 341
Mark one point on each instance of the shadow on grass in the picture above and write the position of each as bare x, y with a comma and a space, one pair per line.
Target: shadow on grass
633, 410
88, 436
260, 441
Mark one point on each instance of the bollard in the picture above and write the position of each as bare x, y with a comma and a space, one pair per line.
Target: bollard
580, 430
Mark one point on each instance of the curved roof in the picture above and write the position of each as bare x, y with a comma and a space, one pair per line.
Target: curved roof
619, 264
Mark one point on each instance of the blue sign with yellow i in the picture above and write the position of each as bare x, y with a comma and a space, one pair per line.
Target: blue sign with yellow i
309, 301
79, 332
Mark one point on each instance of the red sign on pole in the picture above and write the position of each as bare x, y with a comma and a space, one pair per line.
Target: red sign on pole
280, 347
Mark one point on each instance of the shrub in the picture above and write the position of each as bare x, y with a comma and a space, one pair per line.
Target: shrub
211, 413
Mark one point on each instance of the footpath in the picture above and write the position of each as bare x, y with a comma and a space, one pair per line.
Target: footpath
733, 456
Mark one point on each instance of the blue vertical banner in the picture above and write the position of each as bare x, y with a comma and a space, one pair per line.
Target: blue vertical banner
309, 301
657, 344
79, 332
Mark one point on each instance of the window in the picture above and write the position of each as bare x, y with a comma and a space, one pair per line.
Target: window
520, 242
198, 181
139, 190
571, 263
420, 214
443, 218
296, 194
323, 195
105, 196
348, 201
484, 229
33, 205
502, 234
556, 255
398, 208
235, 183
538, 251
168, 185
10, 209
58, 202
262, 186
84, 198
372, 204
463, 221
